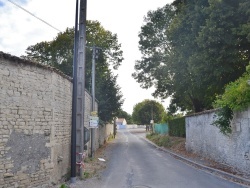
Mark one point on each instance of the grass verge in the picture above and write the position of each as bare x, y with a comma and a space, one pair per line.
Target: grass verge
166, 141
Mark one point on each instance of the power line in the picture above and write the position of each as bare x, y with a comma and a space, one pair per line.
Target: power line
34, 15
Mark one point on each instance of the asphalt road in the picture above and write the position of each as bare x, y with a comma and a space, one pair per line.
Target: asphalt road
134, 163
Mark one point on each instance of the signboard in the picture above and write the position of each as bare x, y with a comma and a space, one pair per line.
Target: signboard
152, 121
93, 122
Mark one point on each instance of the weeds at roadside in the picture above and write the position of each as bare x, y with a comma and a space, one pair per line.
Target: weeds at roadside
63, 186
86, 175
164, 140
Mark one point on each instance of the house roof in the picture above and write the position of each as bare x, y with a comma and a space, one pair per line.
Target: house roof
120, 120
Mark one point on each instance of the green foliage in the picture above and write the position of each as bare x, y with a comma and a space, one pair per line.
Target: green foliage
144, 111
86, 175
224, 117
59, 53
122, 114
63, 186
165, 140
236, 95
192, 49
235, 98
177, 127
160, 140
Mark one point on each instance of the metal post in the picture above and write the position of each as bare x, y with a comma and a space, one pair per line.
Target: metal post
93, 100
73, 129
152, 116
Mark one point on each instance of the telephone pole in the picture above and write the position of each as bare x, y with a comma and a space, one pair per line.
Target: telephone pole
95, 51
92, 144
78, 101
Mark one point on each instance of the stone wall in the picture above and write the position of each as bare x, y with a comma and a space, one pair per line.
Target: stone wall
102, 134
206, 140
35, 123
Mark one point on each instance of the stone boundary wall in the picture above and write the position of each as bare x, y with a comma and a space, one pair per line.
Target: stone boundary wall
35, 123
206, 140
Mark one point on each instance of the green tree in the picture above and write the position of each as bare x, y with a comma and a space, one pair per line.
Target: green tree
147, 110
235, 98
127, 116
237, 94
59, 53
191, 49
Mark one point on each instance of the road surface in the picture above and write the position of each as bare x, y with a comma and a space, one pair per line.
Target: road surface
134, 163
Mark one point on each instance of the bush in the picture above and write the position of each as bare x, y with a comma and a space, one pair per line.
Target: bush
160, 140
235, 98
177, 127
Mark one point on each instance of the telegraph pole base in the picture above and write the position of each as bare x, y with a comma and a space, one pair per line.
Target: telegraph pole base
72, 180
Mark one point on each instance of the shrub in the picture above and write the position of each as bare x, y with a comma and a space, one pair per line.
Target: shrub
160, 140
235, 98
177, 127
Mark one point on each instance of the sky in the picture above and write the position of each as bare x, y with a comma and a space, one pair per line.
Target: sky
123, 17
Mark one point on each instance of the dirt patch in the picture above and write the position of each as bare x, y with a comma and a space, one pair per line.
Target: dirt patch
93, 165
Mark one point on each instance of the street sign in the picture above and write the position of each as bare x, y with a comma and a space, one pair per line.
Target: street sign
93, 122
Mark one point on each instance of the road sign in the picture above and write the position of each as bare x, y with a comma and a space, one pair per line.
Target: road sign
93, 122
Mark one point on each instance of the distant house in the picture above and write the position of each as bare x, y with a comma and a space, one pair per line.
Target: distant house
121, 123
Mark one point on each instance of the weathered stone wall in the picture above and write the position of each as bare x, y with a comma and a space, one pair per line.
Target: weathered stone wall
101, 134
35, 123
206, 139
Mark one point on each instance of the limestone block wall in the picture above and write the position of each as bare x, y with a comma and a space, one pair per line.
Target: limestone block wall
35, 123
206, 139
35, 119
101, 136
103, 133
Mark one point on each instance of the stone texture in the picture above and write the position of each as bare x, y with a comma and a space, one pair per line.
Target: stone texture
35, 123
207, 140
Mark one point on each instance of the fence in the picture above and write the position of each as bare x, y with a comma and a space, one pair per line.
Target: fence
161, 128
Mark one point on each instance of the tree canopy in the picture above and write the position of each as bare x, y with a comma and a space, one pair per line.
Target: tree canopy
192, 49
59, 53
124, 114
146, 111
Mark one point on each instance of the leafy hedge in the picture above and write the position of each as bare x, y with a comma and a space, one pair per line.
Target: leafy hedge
177, 127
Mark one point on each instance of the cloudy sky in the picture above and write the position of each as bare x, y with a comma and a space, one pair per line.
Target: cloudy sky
124, 17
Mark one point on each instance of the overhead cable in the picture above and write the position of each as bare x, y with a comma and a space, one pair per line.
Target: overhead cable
34, 15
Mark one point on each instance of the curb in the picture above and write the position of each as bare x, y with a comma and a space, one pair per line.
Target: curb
225, 175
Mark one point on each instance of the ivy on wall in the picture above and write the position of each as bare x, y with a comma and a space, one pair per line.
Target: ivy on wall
235, 98
223, 119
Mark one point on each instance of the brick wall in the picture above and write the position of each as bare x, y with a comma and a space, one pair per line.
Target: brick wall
35, 123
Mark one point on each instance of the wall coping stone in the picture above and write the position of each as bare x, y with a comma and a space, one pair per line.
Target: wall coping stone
37, 64
203, 112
